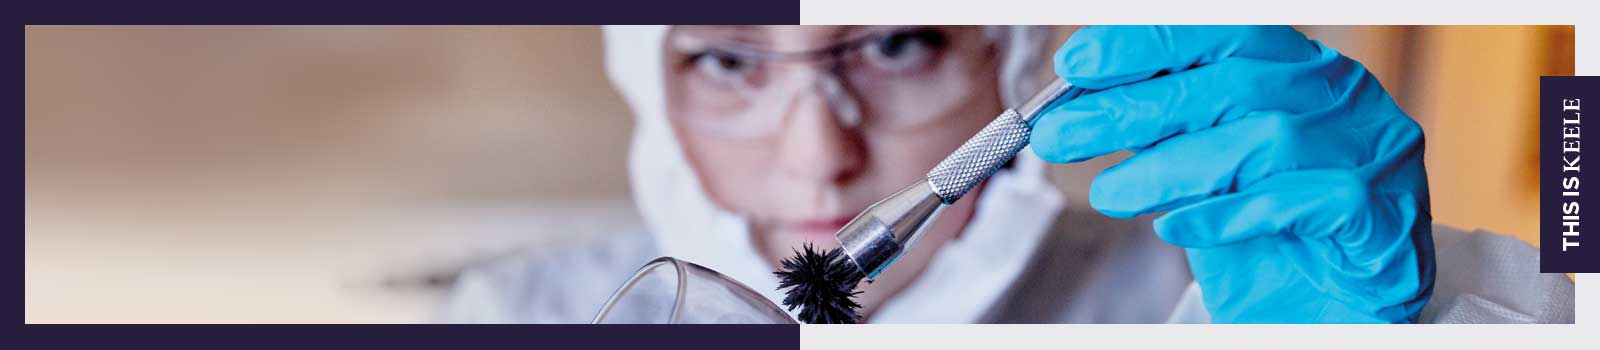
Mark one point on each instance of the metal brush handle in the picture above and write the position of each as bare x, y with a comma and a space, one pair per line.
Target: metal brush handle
993, 146
980, 157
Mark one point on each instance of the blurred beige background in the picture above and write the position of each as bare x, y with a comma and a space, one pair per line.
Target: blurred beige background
341, 174
285, 174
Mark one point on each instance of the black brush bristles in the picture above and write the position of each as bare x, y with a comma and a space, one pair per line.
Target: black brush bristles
822, 285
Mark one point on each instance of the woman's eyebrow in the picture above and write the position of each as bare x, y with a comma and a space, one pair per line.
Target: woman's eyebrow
751, 34
851, 32
847, 33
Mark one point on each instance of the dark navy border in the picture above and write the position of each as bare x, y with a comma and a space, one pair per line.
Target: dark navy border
408, 12
161, 12
1563, 198
432, 337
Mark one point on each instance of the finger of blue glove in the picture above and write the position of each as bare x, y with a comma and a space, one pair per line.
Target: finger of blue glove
1140, 114
1100, 57
1191, 167
1312, 204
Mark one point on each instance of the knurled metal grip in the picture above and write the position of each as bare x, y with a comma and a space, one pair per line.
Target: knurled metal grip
980, 157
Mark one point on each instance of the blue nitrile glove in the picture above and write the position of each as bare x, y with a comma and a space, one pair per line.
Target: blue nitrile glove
1290, 176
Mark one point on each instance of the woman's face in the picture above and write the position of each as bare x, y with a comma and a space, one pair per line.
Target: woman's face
799, 128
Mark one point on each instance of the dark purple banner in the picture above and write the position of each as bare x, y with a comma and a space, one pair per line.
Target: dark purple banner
707, 337
409, 12
1567, 235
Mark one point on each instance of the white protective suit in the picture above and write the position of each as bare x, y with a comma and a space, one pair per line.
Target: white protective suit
1025, 256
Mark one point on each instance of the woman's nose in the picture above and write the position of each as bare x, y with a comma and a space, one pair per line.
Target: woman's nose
820, 141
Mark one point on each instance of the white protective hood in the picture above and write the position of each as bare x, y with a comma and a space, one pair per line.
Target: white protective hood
962, 280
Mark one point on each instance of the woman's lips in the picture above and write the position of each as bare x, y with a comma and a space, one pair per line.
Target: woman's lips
821, 227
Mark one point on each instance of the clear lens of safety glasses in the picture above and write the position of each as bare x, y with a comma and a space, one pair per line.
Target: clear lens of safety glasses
888, 80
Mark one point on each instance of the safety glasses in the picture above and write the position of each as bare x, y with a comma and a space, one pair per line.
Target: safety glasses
724, 84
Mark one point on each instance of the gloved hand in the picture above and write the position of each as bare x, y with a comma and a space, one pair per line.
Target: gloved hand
1290, 176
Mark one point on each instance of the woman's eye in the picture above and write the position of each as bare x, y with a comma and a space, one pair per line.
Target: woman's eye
720, 65
905, 50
